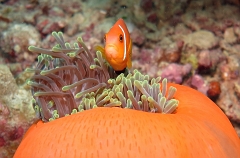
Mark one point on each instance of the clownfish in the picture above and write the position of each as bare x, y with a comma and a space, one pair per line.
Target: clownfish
118, 47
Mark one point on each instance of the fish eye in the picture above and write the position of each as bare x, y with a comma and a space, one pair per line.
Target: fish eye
120, 38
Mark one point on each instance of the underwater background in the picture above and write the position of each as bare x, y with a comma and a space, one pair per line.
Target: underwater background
190, 42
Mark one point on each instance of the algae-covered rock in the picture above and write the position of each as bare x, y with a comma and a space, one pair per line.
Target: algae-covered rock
16, 112
202, 39
7, 81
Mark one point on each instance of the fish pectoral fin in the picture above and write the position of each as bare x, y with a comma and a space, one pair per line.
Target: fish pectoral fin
129, 62
101, 49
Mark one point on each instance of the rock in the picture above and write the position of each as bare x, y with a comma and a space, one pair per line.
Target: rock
229, 35
16, 112
137, 36
229, 101
201, 39
14, 42
7, 82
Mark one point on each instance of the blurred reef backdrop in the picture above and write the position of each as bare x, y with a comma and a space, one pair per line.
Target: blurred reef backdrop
190, 42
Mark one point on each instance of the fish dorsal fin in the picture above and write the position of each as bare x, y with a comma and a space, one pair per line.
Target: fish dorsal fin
125, 42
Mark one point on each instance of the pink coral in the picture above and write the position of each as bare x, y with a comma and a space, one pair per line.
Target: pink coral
209, 59
198, 82
175, 72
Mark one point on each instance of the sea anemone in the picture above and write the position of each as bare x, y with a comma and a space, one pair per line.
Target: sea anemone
60, 67
134, 116
69, 80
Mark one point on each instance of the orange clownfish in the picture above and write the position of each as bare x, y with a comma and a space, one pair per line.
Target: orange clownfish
118, 47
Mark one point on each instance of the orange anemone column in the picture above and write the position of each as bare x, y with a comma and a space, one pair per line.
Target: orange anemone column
198, 128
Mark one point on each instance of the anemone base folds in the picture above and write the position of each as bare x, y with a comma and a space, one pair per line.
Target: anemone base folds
197, 128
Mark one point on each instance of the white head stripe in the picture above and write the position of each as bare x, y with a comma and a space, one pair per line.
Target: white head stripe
124, 40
